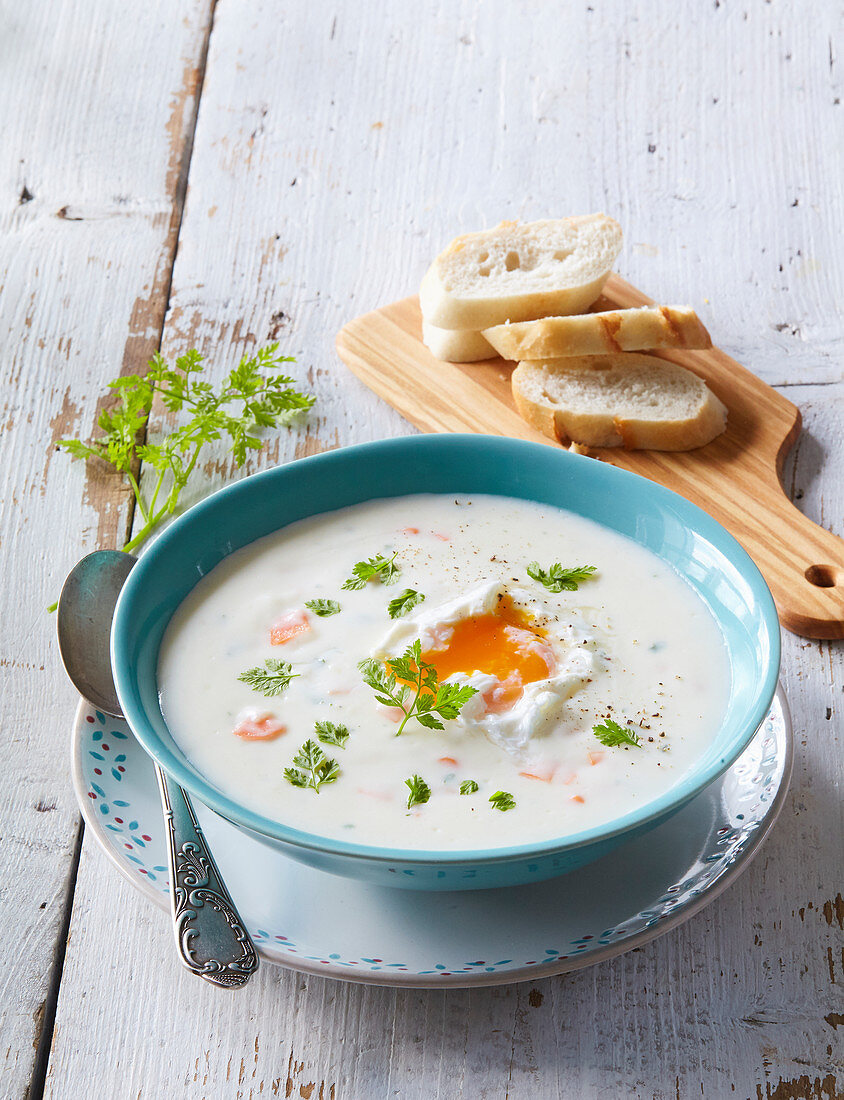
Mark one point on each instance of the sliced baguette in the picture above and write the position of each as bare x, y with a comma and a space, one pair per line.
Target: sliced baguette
456, 345
519, 272
638, 402
595, 333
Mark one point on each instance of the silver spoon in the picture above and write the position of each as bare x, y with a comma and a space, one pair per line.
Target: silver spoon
211, 938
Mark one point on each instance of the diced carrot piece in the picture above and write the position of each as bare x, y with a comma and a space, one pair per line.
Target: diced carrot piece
543, 770
448, 760
577, 798
288, 626
439, 535
596, 756
410, 531
380, 795
265, 728
395, 714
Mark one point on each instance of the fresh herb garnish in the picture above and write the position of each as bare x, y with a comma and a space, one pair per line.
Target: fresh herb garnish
420, 696
612, 734
419, 791
323, 608
404, 602
272, 679
468, 786
378, 568
330, 734
311, 768
502, 800
557, 579
245, 402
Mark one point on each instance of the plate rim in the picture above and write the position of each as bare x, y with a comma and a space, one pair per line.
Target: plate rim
403, 980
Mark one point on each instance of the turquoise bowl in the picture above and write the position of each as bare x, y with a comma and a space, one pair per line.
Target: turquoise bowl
693, 544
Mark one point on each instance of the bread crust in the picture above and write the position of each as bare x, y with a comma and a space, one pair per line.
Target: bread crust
538, 415
456, 345
597, 243
609, 332
467, 313
608, 428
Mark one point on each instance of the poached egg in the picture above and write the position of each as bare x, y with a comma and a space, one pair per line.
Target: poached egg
508, 643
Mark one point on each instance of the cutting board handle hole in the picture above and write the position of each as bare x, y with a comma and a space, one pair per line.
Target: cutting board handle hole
824, 576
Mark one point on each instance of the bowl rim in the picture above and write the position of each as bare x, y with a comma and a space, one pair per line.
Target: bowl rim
264, 827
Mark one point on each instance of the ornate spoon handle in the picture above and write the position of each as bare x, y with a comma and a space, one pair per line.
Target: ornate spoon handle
210, 936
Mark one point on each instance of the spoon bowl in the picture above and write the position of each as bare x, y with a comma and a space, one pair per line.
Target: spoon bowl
85, 612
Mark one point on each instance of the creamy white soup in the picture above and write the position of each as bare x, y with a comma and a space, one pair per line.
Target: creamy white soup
575, 676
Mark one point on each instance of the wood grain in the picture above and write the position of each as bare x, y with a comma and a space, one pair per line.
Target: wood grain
88, 189
338, 148
736, 477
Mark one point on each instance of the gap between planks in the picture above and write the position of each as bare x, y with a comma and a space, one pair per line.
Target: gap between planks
158, 305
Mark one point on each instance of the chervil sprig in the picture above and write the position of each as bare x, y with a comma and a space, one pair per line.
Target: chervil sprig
502, 800
420, 792
557, 579
378, 568
330, 734
246, 401
311, 768
611, 734
419, 695
404, 602
468, 786
271, 679
323, 608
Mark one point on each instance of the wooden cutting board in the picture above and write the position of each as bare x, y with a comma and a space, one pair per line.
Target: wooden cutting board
736, 478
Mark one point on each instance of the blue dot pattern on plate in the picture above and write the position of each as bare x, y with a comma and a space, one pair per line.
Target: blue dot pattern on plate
110, 756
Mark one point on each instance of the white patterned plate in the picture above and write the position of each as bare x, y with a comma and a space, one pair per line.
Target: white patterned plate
323, 924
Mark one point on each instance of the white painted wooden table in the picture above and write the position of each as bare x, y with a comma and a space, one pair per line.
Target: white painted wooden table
177, 175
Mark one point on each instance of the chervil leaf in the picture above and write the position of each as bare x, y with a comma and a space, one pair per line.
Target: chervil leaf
330, 734
311, 768
406, 666
77, 449
296, 777
246, 400
354, 583
420, 696
502, 800
451, 698
557, 579
323, 608
420, 792
378, 568
468, 786
376, 676
611, 734
272, 679
428, 721
404, 602
387, 690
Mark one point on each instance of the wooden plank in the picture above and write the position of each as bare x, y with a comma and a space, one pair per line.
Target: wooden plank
335, 152
88, 205
735, 478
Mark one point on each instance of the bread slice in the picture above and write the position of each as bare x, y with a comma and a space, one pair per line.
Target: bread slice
593, 333
635, 401
519, 272
456, 345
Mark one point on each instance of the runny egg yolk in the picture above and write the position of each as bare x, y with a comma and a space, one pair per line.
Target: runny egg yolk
502, 644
